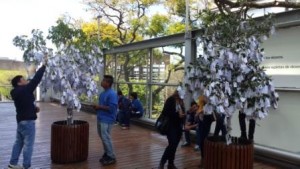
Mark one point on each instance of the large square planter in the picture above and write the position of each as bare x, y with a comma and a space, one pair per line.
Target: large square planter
69, 143
218, 155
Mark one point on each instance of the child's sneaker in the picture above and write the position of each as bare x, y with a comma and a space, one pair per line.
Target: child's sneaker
10, 166
108, 161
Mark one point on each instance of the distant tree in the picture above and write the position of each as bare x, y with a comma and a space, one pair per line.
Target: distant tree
132, 23
5, 85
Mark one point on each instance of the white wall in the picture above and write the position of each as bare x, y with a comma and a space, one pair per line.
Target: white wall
282, 61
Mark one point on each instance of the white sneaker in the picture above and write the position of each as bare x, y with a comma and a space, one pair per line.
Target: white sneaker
10, 166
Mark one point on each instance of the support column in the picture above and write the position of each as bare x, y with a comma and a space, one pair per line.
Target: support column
189, 57
149, 82
102, 73
190, 51
115, 71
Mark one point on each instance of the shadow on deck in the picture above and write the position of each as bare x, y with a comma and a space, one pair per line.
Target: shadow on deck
137, 148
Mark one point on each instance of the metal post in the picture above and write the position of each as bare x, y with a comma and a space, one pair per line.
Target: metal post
115, 71
98, 34
150, 102
187, 16
99, 40
188, 53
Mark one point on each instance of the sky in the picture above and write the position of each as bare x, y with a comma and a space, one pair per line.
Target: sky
19, 17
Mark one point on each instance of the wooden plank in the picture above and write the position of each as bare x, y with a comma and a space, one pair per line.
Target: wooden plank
137, 148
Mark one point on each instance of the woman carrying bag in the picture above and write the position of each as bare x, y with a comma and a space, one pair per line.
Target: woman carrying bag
174, 109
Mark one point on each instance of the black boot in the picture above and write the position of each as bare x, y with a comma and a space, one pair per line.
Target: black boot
172, 166
251, 130
161, 165
242, 120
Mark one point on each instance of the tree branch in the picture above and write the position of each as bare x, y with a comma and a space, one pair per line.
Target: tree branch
175, 68
255, 4
174, 53
120, 19
140, 14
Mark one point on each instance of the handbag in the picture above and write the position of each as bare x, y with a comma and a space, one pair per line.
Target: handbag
162, 124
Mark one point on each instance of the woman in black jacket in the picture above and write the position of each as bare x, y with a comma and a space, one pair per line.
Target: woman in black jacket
174, 109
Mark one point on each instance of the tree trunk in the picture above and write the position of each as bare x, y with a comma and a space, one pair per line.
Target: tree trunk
69, 116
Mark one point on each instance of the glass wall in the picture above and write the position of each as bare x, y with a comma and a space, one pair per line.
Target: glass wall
160, 93
152, 73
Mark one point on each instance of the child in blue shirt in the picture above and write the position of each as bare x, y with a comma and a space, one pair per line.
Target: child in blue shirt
136, 106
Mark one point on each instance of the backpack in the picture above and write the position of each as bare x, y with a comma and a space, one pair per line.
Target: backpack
162, 124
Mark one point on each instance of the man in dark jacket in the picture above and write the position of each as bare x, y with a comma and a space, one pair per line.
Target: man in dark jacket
22, 94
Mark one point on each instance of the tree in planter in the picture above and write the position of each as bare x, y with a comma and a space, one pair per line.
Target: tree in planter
228, 71
72, 69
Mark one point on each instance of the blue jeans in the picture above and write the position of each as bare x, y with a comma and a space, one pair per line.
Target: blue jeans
24, 140
124, 118
104, 130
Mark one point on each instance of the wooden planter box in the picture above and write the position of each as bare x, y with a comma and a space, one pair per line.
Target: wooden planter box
69, 143
218, 155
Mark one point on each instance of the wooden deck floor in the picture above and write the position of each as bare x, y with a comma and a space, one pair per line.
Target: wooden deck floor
137, 148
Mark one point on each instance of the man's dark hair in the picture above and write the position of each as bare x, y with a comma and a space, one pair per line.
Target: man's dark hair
193, 103
134, 95
109, 79
16, 80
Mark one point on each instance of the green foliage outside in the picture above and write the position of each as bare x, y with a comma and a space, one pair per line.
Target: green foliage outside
139, 88
5, 81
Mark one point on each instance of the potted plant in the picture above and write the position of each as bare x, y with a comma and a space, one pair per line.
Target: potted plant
70, 71
229, 75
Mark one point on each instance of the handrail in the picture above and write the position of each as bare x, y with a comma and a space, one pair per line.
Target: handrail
276, 155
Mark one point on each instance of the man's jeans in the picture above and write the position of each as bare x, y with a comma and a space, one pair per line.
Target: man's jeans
24, 139
104, 130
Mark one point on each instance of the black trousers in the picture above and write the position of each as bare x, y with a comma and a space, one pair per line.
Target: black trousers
173, 136
242, 120
207, 121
